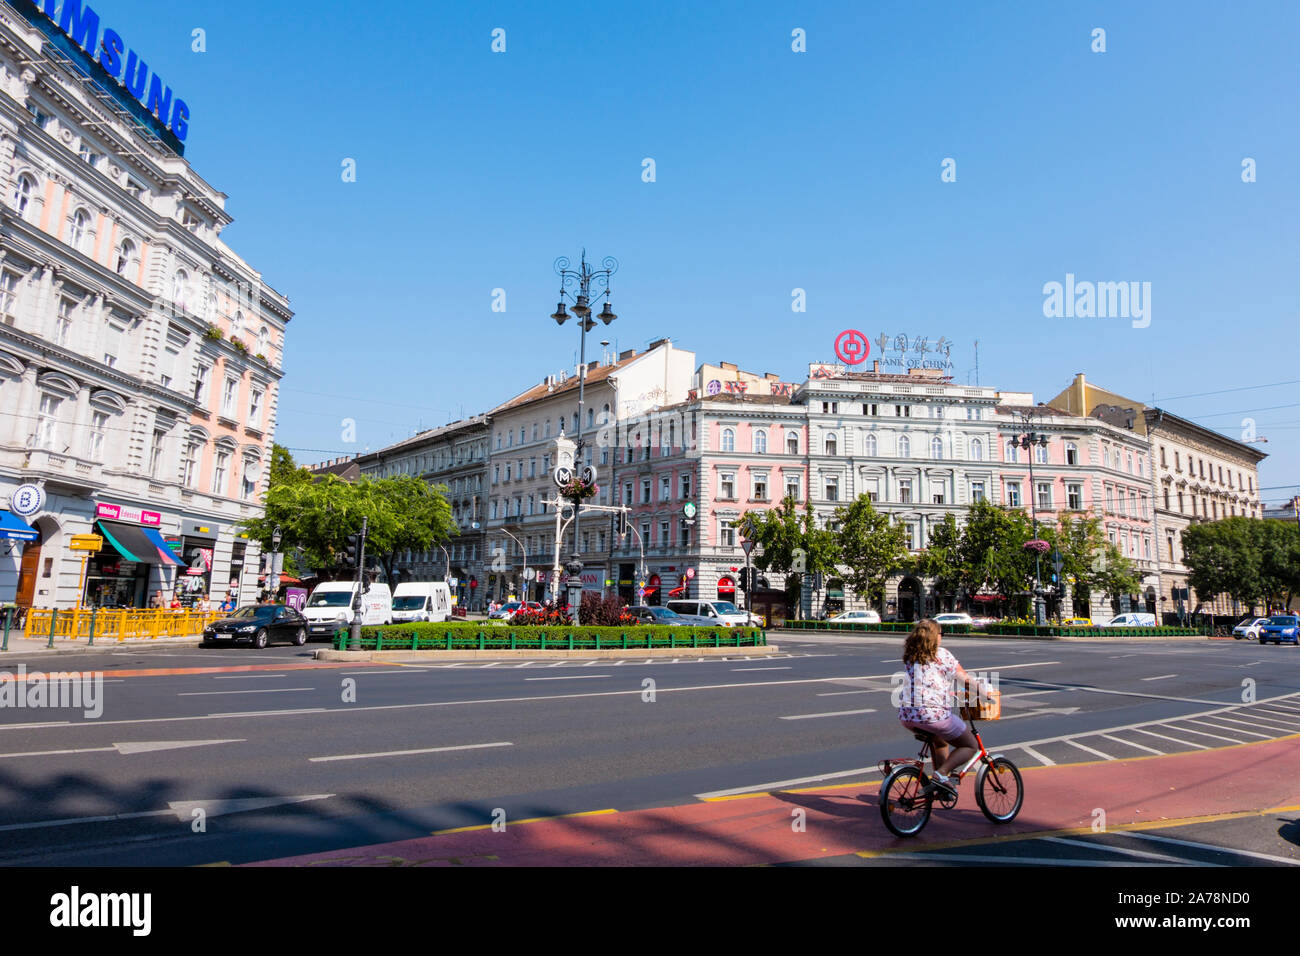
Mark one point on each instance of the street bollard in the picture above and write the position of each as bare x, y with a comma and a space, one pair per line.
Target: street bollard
54, 617
9, 619
92, 628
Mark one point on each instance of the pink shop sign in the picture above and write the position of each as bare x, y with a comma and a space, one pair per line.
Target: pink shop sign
133, 515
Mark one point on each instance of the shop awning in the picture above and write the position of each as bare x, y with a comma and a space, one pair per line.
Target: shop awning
142, 545
14, 528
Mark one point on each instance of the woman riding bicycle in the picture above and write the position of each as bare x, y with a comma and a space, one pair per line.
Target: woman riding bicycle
928, 704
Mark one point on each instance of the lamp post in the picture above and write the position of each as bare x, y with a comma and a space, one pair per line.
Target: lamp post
583, 279
523, 550
273, 575
1027, 441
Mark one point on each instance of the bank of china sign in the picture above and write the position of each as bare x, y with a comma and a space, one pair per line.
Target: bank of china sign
127, 67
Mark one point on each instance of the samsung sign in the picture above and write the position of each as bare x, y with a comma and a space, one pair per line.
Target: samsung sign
107, 52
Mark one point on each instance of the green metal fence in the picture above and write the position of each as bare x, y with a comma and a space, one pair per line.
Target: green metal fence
470, 638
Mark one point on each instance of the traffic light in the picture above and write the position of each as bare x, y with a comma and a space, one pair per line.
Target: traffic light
622, 524
743, 581
817, 581
352, 550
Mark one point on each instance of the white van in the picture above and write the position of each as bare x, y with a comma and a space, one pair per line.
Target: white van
712, 612
422, 601
330, 607
1134, 619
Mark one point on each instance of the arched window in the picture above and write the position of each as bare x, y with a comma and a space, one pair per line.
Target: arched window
127, 260
792, 443
79, 230
1013, 451
904, 447
728, 439
23, 191
1040, 454
180, 287
591, 418
760, 442
263, 341
871, 446
832, 445
976, 450
237, 324
936, 447
1071, 453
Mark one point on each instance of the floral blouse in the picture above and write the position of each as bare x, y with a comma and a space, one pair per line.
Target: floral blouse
927, 695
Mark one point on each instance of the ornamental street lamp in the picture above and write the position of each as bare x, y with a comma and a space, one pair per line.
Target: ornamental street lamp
583, 279
1027, 441
273, 577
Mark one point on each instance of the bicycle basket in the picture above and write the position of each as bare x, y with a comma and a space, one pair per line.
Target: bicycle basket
981, 706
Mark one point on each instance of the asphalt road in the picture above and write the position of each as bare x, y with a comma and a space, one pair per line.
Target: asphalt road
298, 757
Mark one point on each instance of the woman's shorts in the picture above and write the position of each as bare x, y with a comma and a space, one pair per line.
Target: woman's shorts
949, 730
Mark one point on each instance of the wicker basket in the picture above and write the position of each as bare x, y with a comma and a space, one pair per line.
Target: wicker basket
981, 707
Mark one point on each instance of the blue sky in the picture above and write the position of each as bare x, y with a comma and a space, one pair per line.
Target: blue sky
775, 170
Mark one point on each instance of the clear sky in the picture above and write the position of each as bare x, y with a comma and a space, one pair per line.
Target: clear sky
774, 170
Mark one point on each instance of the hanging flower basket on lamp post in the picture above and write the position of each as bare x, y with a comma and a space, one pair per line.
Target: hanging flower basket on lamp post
577, 490
1037, 545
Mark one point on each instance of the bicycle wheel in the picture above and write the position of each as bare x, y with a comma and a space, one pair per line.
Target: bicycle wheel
902, 807
999, 790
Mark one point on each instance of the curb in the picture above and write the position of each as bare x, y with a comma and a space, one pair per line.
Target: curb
1009, 637
507, 654
75, 647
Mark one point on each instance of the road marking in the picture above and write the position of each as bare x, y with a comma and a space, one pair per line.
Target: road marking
1218, 849
183, 810
1013, 860
1161, 677
1123, 851
493, 664
515, 823
1276, 716
1045, 761
1201, 733
233, 713
264, 676
739, 670
231, 693
841, 693
759, 788
376, 673
407, 753
572, 677
1219, 722
1065, 711
1185, 743
834, 713
1095, 753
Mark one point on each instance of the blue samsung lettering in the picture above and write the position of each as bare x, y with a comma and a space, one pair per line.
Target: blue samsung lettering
159, 105
181, 120
83, 27
131, 81
110, 53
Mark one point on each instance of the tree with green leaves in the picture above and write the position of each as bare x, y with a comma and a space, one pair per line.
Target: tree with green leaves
782, 531
871, 546
941, 561
992, 553
1251, 560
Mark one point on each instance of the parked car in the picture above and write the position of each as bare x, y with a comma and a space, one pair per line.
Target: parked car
1133, 619
857, 617
650, 614
980, 623
716, 613
330, 607
1281, 627
259, 624
1078, 622
959, 617
421, 601
506, 611
1249, 628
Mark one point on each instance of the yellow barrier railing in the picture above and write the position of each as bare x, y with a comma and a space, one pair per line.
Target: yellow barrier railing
117, 625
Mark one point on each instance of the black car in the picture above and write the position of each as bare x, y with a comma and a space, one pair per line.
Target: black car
260, 624
661, 616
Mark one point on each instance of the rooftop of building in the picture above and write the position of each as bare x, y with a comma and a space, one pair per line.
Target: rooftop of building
596, 373
424, 437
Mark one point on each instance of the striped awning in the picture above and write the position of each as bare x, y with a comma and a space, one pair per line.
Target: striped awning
142, 545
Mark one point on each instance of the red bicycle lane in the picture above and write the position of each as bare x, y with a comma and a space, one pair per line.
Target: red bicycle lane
816, 823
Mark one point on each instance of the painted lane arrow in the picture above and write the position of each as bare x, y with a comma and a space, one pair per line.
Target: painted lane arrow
183, 810
131, 747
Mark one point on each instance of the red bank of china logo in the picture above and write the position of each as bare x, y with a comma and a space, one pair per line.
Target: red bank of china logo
852, 347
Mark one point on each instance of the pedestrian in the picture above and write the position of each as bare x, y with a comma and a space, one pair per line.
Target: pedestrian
156, 602
176, 601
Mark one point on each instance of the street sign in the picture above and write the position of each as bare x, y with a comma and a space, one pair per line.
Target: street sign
689, 509
453, 582
747, 545
588, 474
640, 592
563, 475
85, 542
530, 574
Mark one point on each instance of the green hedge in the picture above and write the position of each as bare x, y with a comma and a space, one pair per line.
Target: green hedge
487, 637
890, 627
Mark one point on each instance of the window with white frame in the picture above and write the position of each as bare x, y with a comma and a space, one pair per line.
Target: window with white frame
905, 491
976, 449
792, 484
114, 335
726, 533
760, 487
1044, 492
127, 259
936, 447
831, 445
870, 446
791, 443
645, 491
904, 447
1071, 453
95, 438
63, 323
79, 230
1013, 494
937, 494
830, 408
1074, 497
47, 420
870, 408
727, 485
832, 488
180, 287
24, 190
1040, 454
686, 485
8, 292
1013, 451
230, 397
977, 491
247, 483
665, 532
190, 472
156, 451
902, 411
665, 488
220, 469
760, 442
728, 439
627, 493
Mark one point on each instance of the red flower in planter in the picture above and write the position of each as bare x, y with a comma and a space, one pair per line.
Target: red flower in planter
1038, 545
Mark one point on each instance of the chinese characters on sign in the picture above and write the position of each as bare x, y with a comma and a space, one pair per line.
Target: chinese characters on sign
902, 352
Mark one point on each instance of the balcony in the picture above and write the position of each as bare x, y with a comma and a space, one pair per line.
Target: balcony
64, 468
